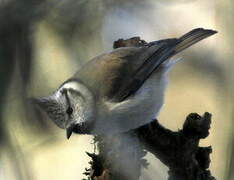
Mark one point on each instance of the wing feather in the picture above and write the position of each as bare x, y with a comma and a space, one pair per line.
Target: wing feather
120, 73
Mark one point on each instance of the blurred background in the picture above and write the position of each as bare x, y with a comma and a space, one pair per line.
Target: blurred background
42, 43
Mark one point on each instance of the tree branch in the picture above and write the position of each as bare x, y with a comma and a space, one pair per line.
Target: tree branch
180, 150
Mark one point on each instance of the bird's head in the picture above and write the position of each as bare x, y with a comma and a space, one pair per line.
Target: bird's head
70, 107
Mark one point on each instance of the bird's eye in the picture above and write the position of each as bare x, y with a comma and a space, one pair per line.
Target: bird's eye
69, 111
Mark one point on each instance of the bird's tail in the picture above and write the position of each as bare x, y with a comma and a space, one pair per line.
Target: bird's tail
185, 42
167, 48
191, 38
164, 49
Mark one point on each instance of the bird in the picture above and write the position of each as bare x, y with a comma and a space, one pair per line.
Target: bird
119, 90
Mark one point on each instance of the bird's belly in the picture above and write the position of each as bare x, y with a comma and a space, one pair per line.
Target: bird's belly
136, 111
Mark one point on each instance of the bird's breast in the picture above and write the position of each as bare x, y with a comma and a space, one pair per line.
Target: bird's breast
137, 110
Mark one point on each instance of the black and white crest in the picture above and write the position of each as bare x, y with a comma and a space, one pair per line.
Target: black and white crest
54, 108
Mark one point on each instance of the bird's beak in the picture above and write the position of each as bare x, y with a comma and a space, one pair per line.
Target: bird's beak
82, 128
69, 130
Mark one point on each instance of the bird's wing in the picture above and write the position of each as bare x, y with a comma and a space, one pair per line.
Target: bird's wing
108, 73
119, 74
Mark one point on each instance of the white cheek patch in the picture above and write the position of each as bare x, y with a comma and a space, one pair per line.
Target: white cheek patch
88, 105
71, 85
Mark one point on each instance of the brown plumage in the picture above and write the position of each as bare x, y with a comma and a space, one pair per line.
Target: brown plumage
120, 73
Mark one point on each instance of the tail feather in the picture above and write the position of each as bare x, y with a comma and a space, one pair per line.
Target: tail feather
169, 48
165, 49
191, 38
